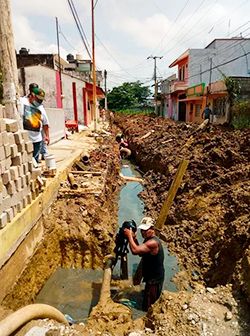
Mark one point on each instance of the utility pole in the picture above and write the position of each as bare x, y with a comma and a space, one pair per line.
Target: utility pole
155, 79
8, 62
209, 86
59, 58
105, 89
93, 61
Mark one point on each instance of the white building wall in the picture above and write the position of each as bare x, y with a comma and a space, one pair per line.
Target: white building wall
56, 124
46, 78
221, 51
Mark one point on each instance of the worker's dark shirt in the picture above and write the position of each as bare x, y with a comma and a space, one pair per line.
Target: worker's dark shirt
152, 265
207, 113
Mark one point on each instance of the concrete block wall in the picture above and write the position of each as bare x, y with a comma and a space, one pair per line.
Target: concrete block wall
18, 186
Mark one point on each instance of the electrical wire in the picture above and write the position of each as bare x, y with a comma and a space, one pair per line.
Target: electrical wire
79, 27
219, 65
175, 20
202, 30
65, 38
109, 53
96, 3
86, 39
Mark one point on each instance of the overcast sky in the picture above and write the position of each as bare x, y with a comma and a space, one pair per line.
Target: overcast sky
128, 31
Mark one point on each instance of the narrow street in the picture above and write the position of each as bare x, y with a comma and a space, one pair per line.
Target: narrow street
124, 168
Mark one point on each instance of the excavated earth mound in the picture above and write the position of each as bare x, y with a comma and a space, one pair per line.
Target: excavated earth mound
208, 223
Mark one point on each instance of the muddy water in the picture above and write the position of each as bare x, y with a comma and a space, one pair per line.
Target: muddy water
76, 291
72, 291
132, 207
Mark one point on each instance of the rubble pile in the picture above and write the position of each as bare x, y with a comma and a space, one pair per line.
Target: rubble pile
208, 223
205, 311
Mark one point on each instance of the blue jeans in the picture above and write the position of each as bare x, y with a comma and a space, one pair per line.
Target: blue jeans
36, 150
43, 150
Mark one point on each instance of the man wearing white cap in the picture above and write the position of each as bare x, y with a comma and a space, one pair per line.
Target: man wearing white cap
152, 255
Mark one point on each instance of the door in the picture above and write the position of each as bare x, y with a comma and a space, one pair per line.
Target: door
182, 111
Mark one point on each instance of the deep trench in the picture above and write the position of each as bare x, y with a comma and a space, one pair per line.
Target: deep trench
73, 285
74, 242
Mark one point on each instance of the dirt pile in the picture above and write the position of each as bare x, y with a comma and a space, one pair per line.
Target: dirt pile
205, 311
208, 224
73, 231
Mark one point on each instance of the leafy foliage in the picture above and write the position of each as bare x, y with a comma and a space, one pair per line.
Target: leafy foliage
233, 89
128, 95
241, 114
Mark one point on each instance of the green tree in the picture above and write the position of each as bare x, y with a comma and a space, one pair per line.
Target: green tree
128, 95
233, 90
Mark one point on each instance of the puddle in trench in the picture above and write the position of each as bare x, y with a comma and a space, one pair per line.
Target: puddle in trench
76, 291
72, 291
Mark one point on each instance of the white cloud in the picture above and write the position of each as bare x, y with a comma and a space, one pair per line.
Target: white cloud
48, 8
131, 29
146, 31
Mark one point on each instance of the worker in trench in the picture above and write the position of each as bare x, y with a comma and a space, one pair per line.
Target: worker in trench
151, 252
125, 152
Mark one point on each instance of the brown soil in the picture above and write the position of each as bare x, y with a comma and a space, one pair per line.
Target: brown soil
207, 228
208, 223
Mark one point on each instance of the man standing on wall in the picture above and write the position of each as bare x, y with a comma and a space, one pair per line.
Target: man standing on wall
35, 119
43, 150
152, 254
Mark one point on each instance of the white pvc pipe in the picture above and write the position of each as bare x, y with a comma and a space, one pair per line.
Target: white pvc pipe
28, 313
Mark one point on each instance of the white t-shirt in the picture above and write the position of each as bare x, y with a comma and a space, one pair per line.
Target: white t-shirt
33, 119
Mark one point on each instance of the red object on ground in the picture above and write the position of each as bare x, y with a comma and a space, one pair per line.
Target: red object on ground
72, 124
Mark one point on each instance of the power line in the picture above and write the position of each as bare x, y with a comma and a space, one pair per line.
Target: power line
86, 39
219, 65
79, 26
96, 3
175, 20
183, 38
65, 38
201, 30
109, 53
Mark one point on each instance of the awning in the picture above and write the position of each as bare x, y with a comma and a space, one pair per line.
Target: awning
99, 91
190, 99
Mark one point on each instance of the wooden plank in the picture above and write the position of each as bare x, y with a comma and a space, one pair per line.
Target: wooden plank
78, 192
76, 172
171, 194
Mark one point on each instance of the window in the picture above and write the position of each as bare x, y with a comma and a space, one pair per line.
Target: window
182, 73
